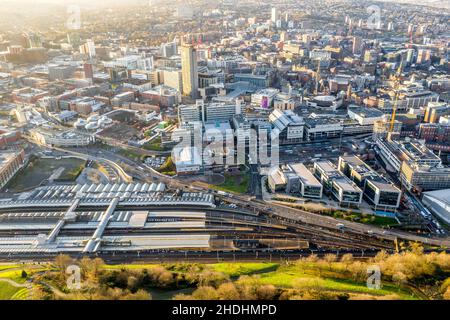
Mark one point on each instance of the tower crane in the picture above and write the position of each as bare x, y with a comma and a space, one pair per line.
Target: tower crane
394, 107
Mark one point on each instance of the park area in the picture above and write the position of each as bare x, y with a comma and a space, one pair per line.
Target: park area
236, 182
40, 169
408, 275
15, 280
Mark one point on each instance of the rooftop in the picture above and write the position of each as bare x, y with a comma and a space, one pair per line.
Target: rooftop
305, 174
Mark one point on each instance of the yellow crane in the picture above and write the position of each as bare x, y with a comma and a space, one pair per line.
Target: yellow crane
317, 78
394, 107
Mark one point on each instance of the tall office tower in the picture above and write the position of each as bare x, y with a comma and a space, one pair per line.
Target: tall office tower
357, 45
88, 48
410, 56
422, 29
33, 40
189, 70
275, 15
423, 56
390, 26
360, 23
88, 71
169, 49
379, 25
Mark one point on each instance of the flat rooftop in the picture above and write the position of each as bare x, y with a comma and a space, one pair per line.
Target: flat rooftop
305, 174
365, 112
384, 186
6, 156
346, 184
416, 151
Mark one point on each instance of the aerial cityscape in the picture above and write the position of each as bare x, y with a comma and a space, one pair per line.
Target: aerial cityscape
224, 150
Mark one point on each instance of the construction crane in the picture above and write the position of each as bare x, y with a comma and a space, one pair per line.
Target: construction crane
317, 78
394, 107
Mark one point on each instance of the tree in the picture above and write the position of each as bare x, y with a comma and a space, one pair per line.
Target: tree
266, 292
399, 278
138, 295
416, 248
330, 258
446, 294
312, 258
205, 293
160, 276
24, 274
212, 278
347, 259
62, 261
228, 291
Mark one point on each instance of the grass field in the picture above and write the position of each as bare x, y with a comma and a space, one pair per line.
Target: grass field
154, 145
237, 184
239, 269
331, 277
290, 276
7, 291
40, 169
22, 294
15, 275
8, 266
130, 266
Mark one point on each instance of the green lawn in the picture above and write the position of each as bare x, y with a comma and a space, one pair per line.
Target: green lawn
22, 294
303, 275
8, 266
7, 291
234, 183
154, 145
129, 266
16, 275
239, 269
296, 277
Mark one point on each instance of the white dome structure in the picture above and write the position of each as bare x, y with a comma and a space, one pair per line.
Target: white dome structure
80, 124
93, 118
92, 126
104, 121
